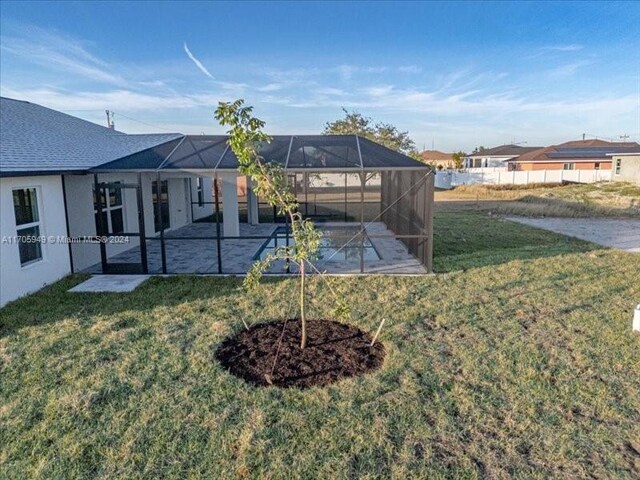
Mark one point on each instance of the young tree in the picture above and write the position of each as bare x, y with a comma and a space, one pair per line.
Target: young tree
355, 123
458, 157
270, 182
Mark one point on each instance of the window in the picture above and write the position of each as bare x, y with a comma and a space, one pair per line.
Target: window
25, 205
164, 205
112, 209
200, 191
597, 166
569, 166
618, 165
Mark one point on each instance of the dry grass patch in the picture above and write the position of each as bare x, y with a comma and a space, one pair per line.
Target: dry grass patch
606, 199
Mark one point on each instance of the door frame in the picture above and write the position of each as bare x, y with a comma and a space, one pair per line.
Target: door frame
105, 237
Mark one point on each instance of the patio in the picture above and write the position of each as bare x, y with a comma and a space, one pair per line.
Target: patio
193, 249
376, 201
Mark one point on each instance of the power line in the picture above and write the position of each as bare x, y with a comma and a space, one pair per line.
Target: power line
143, 123
112, 113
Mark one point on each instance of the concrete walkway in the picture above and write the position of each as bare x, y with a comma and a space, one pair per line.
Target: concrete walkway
110, 283
623, 234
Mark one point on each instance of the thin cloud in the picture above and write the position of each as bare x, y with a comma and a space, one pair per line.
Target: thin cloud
347, 72
569, 69
48, 50
409, 69
198, 63
330, 91
271, 87
563, 48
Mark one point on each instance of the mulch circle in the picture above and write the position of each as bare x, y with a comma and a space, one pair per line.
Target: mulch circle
334, 351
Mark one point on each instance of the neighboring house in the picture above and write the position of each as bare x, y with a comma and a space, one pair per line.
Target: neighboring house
46, 192
438, 159
496, 157
573, 155
626, 166
169, 203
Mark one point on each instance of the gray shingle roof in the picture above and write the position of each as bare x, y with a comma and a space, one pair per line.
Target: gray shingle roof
503, 151
36, 139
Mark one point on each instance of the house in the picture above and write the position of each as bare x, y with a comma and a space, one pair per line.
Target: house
496, 157
573, 155
75, 196
47, 194
626, 166
438, 159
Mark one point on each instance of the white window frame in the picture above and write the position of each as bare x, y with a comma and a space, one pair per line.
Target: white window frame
572, 166
39, 223
618, 166
108, 208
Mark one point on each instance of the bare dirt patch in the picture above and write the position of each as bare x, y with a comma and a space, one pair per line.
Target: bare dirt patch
334, 351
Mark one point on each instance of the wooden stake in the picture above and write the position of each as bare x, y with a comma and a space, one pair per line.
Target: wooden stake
377, 333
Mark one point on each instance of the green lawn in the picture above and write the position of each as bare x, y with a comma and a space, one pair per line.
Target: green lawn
517, 362
465, 240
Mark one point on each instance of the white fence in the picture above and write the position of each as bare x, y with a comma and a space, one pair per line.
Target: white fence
495, 176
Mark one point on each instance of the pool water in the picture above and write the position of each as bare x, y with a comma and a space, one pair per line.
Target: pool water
332, 244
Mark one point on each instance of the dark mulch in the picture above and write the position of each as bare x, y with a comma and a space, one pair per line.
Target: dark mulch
334, 351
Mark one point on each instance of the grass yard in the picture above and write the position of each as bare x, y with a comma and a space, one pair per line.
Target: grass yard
605, 199
517, 362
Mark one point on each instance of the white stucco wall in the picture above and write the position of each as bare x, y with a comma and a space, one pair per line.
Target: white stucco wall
16, 280
629, 168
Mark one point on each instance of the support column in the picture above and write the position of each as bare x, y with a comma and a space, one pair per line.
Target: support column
230, 212
252, 204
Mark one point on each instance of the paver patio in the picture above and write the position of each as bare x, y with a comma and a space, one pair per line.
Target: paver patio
193, 249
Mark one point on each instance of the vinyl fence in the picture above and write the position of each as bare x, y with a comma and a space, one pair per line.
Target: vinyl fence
495, 176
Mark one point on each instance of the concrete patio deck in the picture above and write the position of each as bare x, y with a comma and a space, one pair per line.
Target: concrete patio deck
110, 283
189, 251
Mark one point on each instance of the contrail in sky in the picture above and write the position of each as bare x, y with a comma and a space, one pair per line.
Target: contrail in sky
198, 63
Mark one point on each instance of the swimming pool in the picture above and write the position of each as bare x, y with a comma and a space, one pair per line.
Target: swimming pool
333, 245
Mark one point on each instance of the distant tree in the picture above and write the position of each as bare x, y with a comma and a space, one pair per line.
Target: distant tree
458, 157
479, 149
354, 123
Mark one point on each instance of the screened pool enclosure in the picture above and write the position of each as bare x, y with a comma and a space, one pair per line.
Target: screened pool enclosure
197, 214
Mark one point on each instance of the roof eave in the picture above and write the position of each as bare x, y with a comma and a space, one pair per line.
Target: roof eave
41, 173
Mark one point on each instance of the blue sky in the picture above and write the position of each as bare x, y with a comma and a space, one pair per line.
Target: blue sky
455, 75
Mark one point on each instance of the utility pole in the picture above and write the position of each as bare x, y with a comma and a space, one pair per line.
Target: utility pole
110, 123
624, 137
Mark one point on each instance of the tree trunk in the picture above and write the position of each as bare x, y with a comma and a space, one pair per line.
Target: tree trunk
303, 320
